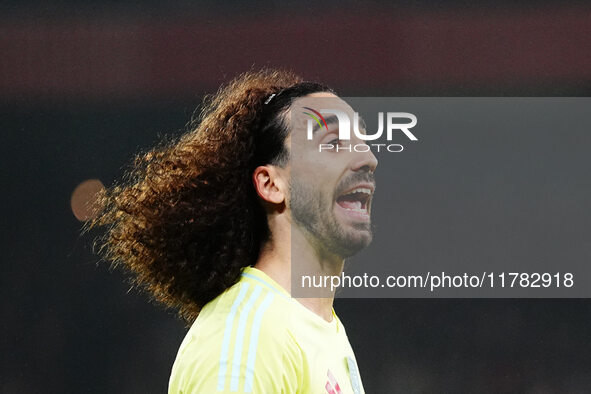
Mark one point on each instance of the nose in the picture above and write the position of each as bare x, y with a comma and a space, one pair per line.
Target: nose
365, 161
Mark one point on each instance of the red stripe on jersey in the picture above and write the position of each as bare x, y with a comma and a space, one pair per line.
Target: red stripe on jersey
329, 388
334, 382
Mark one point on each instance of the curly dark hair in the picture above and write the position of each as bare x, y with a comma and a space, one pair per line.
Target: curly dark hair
186, 219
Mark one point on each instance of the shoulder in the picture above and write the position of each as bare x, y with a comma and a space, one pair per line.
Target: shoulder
241, 342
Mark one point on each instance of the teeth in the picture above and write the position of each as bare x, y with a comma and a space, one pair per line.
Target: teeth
360, 190
360, 210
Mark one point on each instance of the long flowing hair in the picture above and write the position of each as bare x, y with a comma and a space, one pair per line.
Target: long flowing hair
185, 219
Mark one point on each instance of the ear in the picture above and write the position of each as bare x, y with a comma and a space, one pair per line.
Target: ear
269, 184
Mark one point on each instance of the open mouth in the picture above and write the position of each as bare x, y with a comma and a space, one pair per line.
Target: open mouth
356, 201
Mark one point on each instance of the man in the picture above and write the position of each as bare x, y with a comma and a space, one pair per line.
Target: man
212, 224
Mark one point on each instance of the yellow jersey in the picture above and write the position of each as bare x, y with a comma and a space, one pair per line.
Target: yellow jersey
254, 338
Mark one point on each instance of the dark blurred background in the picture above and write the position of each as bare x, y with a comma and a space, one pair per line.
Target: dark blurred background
86, 85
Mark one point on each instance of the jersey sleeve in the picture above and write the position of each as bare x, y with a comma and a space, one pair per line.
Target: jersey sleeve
268, 361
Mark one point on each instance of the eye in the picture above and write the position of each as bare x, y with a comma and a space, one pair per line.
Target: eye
335, 141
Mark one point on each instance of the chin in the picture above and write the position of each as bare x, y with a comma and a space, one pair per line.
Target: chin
354, 243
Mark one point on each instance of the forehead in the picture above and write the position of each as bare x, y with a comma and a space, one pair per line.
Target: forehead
304, 107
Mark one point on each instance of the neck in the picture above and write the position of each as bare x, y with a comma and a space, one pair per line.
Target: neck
288, 252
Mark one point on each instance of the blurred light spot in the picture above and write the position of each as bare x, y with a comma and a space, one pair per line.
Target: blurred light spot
84, 201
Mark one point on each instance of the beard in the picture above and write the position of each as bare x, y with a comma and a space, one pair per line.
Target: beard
313, 211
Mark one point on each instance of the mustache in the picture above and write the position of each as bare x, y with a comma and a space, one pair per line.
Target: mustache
355, 179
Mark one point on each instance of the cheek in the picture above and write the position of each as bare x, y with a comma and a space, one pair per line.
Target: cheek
326, 186
306, 166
